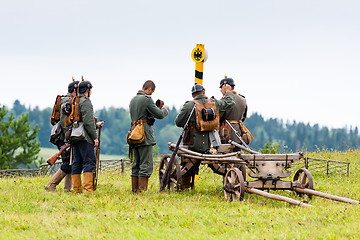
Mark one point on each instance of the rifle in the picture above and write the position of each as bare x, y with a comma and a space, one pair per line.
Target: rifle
97, 154
246, 148
166, 176
56, 156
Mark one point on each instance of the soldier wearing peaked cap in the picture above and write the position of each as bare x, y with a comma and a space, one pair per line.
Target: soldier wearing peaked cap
84, 159
197, 132
235, 116
65, 168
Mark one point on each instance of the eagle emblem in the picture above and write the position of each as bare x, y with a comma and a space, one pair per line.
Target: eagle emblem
198, 54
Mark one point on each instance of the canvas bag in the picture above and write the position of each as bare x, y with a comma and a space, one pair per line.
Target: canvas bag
136, 134
55, 132
78, 131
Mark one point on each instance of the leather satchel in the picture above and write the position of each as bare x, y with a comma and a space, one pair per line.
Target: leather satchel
136, 134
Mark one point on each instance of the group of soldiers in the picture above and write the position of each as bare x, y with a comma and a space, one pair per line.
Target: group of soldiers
198, 123
79, 158
231, 107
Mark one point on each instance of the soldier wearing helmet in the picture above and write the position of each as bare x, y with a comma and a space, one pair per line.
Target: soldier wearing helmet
197, 139
236, 115
84, 159
65, 168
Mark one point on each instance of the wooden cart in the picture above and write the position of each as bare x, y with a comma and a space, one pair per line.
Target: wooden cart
268, 170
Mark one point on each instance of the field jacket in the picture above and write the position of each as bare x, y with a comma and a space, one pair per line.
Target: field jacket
142, 107
200, 140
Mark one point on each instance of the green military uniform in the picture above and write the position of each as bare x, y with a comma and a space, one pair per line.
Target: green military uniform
236, 113
65, 167
83, 149
143, 107
200, 140
87, 117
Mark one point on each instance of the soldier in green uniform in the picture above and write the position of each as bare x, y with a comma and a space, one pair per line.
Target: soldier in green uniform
65, 168
236, 115
199, 140
143, 108
84, 160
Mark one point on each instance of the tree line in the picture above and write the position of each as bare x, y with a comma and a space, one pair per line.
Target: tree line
291, 136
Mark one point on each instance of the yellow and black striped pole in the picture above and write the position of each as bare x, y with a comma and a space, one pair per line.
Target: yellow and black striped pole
199, 57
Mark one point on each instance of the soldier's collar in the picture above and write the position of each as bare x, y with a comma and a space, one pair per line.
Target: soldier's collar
141, 92
200, 96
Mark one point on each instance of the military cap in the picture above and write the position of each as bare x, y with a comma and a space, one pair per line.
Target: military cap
229, 81
197, 88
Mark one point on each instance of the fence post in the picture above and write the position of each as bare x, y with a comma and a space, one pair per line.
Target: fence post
348, 168
122, 166
327, 168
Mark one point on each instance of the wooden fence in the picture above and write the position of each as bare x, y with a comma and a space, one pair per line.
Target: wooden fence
327, 167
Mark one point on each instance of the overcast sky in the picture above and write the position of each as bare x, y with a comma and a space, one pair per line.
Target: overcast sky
294, 60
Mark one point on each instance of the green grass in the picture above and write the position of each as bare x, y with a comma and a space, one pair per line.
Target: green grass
27, 211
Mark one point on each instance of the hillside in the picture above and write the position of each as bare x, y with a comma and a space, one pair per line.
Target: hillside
291, 136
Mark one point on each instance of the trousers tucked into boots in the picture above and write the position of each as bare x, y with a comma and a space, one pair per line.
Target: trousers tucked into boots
88, 182
67, 183
76, 182
55, 180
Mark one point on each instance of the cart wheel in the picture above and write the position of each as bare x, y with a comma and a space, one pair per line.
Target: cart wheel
175, 173
234, 185
303, 176
222, 169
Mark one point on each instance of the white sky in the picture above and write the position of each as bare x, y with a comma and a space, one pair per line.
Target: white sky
295, 60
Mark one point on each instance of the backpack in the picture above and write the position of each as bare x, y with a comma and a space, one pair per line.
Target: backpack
74, 114
207, 116
55, 116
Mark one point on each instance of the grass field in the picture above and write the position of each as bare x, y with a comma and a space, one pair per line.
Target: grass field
27, 211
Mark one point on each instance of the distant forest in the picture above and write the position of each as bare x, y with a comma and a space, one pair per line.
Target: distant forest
291, 136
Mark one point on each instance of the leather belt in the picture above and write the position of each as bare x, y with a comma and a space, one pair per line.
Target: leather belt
139, 121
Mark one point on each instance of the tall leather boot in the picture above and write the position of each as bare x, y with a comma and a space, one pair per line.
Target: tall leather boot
67, 183
143, 184
134, 185
76, 182
88, 182
55, 180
